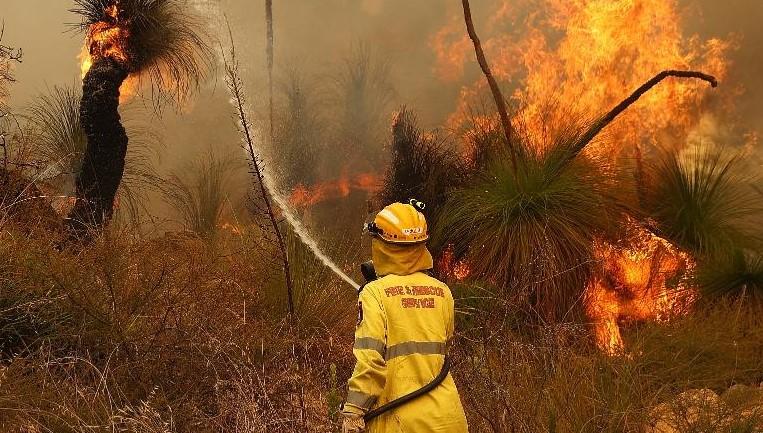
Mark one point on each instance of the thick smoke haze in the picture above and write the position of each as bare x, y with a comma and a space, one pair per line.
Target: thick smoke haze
314, 37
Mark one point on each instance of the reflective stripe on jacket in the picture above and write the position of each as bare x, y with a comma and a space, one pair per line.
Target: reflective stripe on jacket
405, 322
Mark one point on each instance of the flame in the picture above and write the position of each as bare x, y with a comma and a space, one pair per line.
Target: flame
109, 39
642, 280
564, 60
459, 270
578, 58
306, 196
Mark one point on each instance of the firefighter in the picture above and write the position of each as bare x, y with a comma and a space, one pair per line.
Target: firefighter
405, 320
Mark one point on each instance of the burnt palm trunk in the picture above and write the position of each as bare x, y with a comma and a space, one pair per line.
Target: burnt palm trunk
104, 160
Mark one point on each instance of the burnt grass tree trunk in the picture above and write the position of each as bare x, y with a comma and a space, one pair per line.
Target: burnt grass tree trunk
104, 160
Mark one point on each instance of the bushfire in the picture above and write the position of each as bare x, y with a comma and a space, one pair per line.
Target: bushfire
109, 38
306, 196
595, 53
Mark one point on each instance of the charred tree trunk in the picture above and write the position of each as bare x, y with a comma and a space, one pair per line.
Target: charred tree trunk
104, 160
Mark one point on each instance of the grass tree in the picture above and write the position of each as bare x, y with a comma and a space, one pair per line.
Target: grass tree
158, 39
703, 201
61, 144
298, 139
736, 274
422, 166
363, 94
527, 222
531, 231
199, 193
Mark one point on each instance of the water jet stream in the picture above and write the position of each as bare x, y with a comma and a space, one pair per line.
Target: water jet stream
302, 233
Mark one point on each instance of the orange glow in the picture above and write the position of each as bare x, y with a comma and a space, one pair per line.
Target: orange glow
232, 228
109, 39
642, 280
565, 59
452, 268
306, 196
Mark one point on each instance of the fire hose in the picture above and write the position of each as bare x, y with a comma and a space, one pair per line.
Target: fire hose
369, 274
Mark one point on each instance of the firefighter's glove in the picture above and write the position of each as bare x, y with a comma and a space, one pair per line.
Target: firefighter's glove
353, 420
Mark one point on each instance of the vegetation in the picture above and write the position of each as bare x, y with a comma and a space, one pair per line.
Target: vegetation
362, 93
421, 166
531, 232
200, 194
167, 42
704, 201
169, 335
299, 146
192, 331
156, 38
60, 144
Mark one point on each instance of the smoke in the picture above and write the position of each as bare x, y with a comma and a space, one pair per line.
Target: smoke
313, 36
301, 231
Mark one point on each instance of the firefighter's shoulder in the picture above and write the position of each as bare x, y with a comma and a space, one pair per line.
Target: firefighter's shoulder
374, 288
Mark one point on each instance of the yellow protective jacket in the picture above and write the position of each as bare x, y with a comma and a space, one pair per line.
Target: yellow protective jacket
404, 324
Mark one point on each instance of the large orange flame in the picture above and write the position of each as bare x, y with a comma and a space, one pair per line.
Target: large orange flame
109, 39
579, 58
564, 60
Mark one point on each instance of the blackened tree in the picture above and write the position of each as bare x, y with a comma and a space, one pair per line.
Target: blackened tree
158, 39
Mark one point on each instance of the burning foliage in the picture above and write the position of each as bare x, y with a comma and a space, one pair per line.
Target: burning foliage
566, 226
577, 57
126, 38
531, 232
643, 278
161, 40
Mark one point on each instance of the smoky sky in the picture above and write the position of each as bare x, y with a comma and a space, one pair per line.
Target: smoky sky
313, 36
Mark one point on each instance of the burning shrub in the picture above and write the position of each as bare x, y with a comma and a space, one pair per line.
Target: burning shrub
531, 232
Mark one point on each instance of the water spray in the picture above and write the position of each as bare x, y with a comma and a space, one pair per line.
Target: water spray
252, 140
301, 231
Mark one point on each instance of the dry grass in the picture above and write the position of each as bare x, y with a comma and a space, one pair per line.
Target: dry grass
544, 380
174, 335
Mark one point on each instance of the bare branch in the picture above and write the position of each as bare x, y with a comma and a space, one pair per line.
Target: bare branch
235, 87
608, 118
500, 102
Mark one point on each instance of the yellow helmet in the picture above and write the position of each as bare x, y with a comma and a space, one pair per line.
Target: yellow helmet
401, 223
